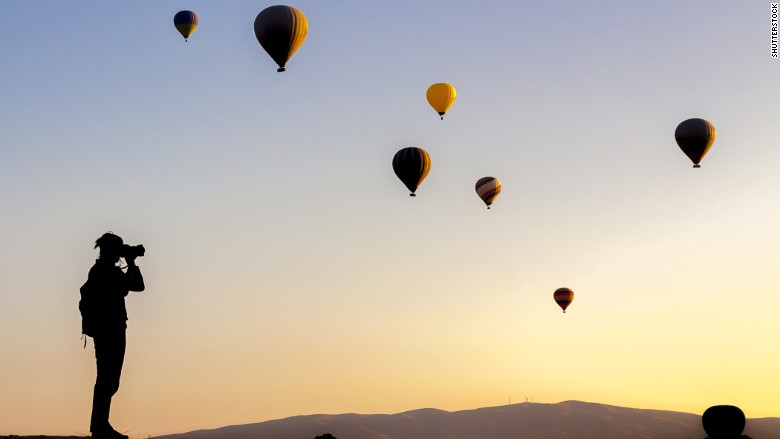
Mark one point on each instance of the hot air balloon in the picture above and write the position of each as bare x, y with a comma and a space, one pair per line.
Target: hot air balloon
723, 422
441, 96
563, 297
186, 22
281, 31
488, 189
412, 165
695, 137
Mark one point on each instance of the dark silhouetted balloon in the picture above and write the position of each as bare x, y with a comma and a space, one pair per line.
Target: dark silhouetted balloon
563, 297
488, 189
723, 422
281, 31
186, 22
412, 165
695, 137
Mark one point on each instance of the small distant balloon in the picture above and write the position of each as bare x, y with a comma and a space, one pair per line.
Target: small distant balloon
723, 422
563, 297
695, 138
186, 22
488, 189
281, 30
412, 165
441, 96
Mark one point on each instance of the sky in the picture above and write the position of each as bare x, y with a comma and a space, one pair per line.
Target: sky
287, 270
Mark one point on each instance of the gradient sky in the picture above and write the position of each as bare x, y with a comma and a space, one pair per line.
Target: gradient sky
288, 271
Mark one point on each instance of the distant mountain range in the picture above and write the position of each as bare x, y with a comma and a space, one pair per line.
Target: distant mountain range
564, 420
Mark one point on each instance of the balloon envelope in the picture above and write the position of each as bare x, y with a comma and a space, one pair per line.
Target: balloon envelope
281, 30
441, 96
563, 297
186, 22
412, 165
488, 189
695, 138
723, 422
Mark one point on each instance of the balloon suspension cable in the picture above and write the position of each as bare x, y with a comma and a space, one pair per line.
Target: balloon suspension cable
697, 165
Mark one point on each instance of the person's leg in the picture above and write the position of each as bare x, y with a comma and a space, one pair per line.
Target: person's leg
109, 356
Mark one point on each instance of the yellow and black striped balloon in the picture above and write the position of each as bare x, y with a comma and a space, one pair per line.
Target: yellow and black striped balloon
488, 189
412, 165
186, 22
563, 297
281, 30
695, 137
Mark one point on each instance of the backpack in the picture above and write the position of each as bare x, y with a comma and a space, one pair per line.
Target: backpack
89, 309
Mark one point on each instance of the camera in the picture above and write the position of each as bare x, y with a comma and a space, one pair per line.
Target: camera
132, 251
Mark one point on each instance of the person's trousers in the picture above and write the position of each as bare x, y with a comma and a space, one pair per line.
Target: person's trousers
110, 355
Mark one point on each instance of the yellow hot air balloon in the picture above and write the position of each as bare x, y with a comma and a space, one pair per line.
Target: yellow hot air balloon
441, 96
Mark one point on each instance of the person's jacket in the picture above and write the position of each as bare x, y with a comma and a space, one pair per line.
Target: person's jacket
104, 293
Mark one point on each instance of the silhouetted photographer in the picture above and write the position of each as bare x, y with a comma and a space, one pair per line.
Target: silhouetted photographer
104, 318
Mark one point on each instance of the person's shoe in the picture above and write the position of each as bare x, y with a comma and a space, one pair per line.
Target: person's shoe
108, 433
